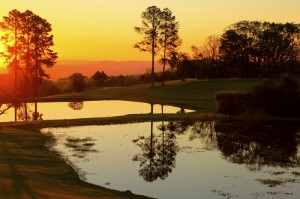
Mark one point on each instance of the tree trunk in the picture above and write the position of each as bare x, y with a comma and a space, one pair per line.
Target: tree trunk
26, 75
153, 54
164, 61
36, 85
151, 108
26, 113
16, 69
35, 111
16, 112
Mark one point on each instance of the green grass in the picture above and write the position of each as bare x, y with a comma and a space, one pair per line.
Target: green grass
194, 94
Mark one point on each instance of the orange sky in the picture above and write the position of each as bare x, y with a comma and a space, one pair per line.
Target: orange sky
103, 29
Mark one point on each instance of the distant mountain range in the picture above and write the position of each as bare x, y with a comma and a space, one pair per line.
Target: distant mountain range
112, 68
64, 69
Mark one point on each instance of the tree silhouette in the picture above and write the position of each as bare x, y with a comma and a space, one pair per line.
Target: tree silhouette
43, 56
27, 34
182, 64
259, 49
151, 21
99, 78
78, 82
28, 42
11, 25
207, 57
170, 40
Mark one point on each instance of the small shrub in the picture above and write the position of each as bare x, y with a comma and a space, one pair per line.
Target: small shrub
232, 102
279, 96
89, 82
99, 76
47, 88
64, 85
78, 82
112, 82
130, 80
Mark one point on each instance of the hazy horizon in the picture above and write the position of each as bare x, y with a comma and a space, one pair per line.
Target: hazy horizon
65, 68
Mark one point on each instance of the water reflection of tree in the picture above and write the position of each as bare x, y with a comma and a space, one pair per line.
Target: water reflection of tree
252, 144
25, 112
203, 130
7, 102
271, 144
179, 127
76, 105
167, 151
148, 157
158, 153
80, 147
5, 107
158, 157
206, 132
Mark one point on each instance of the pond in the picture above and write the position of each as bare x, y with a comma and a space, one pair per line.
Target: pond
176, 160
88, 109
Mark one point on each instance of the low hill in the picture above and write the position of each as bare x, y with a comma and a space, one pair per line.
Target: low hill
192, 94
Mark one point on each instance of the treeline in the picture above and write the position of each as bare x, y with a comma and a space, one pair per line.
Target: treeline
246, 49
77, 82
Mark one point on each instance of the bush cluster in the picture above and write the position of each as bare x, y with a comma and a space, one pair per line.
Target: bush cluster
232, 102
279, 97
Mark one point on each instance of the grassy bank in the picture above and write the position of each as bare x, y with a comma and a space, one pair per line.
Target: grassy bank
194, 94
29, 170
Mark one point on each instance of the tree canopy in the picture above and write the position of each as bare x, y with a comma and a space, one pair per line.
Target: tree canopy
28, 41
246, 49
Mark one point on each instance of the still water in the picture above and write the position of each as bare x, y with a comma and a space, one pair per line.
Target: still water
88, 109
177, 160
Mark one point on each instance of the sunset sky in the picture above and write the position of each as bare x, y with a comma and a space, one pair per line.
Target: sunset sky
103, 29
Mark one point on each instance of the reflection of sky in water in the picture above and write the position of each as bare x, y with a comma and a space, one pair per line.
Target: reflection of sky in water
200, 169
91, 109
